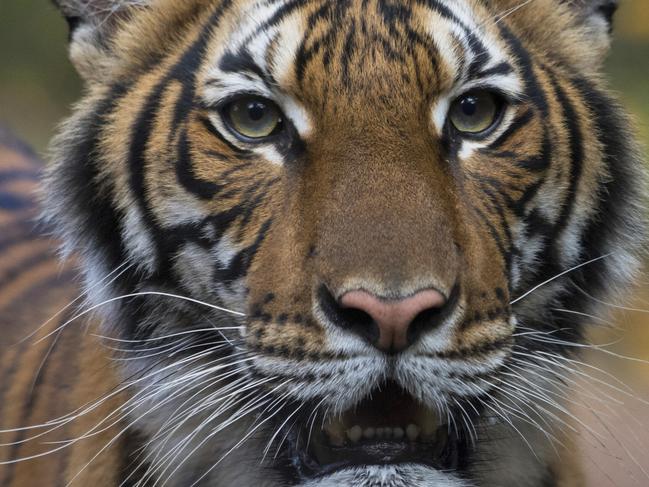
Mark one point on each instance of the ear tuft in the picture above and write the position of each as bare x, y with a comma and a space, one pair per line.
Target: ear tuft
594, 18
597, 15
607, 11
96, 11
92, 25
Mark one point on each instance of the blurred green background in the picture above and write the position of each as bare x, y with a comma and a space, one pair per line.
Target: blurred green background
38, 85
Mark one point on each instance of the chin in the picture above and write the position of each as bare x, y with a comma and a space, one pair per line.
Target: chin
395, 475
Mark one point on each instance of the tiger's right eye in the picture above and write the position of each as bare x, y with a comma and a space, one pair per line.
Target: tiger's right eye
475, 112
253, 117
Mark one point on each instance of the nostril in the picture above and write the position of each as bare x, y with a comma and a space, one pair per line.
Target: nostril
355, 320
390, 324
432, 318
423, 321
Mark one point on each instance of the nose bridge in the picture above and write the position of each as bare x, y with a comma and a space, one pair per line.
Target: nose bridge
385, 212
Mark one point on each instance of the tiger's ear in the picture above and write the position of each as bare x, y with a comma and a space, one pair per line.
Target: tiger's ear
93, 24
596, 17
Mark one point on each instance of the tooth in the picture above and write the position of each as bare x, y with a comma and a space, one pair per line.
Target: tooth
380, 432
355, 433
429, 426
412, 431
387, 433
397, 433
369, 433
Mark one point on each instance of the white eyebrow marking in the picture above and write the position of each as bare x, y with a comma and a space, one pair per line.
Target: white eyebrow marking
439, 113
297, 114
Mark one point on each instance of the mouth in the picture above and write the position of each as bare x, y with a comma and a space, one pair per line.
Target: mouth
388, 427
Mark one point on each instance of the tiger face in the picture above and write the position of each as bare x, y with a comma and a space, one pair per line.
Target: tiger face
338, 236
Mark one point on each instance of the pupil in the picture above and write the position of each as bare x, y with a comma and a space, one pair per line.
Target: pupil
469, 106
256, 111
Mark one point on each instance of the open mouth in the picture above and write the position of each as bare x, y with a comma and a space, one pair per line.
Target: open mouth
388, 427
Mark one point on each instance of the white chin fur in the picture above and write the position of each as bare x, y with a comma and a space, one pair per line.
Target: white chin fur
388, 476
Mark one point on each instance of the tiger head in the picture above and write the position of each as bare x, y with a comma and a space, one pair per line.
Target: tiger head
346, 242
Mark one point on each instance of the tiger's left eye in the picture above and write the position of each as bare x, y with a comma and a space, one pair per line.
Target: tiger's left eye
253, 117
475, 112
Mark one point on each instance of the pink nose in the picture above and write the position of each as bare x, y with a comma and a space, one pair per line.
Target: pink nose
393, 317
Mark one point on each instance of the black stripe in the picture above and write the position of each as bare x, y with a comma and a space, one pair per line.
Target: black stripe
617, 221
549, 479
205, 190
240, 62
13, 143
130, 451
481, 56
78, 186
575, 141
30, 401
502, 248
15, 202
19, 175
517, 124
19, 232
304, 54
541, 161
20, 268
532, 87
209, 126
348, 52
284, 11
502, 68
239, 265
8, 376
479, 51
185, 72
504, 224
519, 206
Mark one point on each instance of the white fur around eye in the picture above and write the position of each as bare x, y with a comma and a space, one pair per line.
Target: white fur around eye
298, 115
439, 114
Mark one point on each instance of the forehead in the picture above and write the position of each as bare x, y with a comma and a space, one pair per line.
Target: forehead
387, 46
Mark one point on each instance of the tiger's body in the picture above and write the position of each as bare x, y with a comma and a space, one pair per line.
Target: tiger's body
324, 243
44, 380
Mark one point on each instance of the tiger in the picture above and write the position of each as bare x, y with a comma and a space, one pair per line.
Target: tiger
319, 243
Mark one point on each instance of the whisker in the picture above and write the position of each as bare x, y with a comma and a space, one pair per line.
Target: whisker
557, 276
138, 294
80, 297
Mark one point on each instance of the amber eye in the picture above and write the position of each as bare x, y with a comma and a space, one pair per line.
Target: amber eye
475, 111
253, 117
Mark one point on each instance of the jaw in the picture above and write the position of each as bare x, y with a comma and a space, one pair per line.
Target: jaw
338, 457
510, 460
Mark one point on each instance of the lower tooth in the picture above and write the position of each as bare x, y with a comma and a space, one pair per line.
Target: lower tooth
380, 432
398, 433
412, 431
369, 433
354, 434
428, 431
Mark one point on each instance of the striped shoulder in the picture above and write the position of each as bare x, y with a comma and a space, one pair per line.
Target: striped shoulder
39, 374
